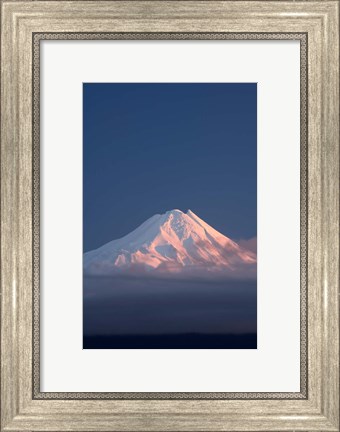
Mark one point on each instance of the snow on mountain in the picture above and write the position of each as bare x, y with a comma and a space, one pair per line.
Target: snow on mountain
170, 244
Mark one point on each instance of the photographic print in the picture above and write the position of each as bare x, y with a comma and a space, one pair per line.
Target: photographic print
169, 215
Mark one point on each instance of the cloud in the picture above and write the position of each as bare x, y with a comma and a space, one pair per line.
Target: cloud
250, 244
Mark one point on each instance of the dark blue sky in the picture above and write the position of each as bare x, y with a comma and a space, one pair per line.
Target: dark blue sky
149, 148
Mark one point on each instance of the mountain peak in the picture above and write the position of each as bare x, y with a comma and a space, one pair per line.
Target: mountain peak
174, 211
179, 212
192, 214
173, 242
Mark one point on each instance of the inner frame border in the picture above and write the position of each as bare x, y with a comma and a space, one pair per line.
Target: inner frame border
36, 394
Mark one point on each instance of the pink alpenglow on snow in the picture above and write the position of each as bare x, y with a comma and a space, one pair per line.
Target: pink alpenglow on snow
172, 244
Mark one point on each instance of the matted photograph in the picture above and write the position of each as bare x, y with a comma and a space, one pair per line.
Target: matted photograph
170, 215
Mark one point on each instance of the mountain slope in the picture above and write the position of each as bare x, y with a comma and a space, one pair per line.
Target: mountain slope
172, 243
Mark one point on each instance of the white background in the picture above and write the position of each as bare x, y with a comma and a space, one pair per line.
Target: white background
274, 366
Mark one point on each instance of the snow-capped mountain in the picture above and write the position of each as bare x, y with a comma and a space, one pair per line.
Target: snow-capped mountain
172, 243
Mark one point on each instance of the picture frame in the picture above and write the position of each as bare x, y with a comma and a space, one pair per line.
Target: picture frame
24, 24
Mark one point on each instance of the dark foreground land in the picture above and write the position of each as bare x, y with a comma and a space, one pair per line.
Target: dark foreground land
172, 341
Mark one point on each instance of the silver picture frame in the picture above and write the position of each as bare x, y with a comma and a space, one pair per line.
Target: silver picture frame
24, 25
